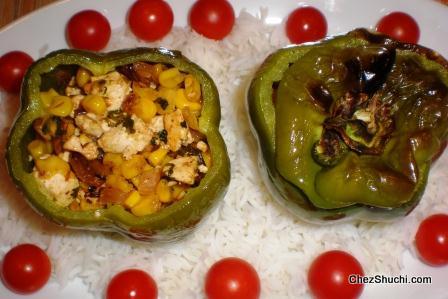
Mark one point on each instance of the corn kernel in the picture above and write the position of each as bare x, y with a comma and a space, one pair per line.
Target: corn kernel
147, 205
46, 97
166, 160
135, 181
37, 148
52, 165
84, 139
113, 159
144, 109
82, 77
145, 93
61, 106
181, 101
169, 95
156, 157
163, 191
192, 88
157, 69
177, 192
191, 119
94, 104
132, 200
119, 182
133, 167
147, 167
171, 78
85, 205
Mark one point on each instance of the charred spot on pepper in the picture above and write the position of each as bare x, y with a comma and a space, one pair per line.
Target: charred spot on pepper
370, 67
364, 122
320, 95
330, 149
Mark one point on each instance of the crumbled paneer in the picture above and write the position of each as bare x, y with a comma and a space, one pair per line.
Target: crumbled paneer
90, 125
183, 169
118, 140
72, 91
87, 149
76, 100
114, 87
202, 146
156, 124
60, 188
202, 168
178, 132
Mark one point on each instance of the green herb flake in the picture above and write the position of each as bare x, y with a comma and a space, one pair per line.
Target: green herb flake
162, 102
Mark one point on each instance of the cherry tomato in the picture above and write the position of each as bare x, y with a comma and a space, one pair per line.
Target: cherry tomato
212, 18
88, 30
132, 284
328, 276
232, 278
150, 20
306, 24
401, 26
432, 240
25, 269
13, 66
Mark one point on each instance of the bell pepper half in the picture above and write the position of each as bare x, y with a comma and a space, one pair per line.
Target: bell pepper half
350, 126
167, 224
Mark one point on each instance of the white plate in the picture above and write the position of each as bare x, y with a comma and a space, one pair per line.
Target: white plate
43, 31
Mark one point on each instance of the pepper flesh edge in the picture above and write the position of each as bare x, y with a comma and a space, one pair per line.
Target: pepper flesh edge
171, 222
261, 113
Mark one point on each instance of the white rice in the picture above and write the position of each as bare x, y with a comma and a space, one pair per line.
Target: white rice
247, 223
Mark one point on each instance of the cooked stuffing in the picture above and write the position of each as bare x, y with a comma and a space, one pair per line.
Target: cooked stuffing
122, 138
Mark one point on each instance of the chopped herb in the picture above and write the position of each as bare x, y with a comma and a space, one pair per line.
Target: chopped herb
116, 117
162, 102
75, 192
168, 169
101, 154
57, 121
183, 124
163, 136
128, 123
201, 159
153, 141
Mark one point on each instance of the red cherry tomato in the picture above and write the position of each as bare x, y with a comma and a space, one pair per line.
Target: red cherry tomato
306, 24
25, 269
150, 20
232, 278
432, 240
401, 26
88, 30
13, 66
213, 19
132, 284
328, 276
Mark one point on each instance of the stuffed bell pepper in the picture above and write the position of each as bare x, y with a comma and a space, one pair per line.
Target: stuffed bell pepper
126, 141
350, 126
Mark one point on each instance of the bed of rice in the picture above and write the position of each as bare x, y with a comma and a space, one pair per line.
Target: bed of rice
247, 223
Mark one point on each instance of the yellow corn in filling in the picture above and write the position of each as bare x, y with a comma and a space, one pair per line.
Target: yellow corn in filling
129, 137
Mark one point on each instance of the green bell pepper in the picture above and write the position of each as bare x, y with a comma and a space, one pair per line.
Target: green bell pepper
350, 126
169, 223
